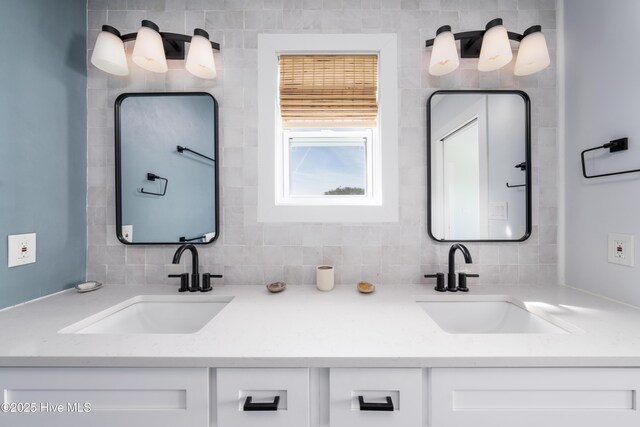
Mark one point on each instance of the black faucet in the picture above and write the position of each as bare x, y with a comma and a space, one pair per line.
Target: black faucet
195, 275
451, 277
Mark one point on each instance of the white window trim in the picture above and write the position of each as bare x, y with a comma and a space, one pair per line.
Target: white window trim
372, 197
272, 45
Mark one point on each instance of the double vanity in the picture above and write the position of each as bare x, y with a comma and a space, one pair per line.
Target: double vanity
195, 355
403, 356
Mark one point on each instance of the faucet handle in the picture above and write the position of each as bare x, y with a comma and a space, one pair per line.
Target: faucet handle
206, 281
462, 281
439, 281
184, 281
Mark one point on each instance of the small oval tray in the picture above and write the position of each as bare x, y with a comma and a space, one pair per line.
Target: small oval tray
366, 288
276, 287
88, 286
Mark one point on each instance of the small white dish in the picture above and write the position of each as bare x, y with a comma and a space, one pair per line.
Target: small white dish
276, 287
88, 286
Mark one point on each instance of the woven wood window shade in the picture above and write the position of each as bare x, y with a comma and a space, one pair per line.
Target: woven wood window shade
339, 90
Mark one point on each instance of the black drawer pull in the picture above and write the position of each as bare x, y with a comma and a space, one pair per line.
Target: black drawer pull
371, 406
268, 406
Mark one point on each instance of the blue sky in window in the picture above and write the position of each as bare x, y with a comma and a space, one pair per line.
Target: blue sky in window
314, 170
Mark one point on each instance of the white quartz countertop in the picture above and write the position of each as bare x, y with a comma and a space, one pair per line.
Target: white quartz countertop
303, 327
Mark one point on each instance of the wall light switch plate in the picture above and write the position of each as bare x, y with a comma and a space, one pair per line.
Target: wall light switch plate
22, 249
498, 211
620, 249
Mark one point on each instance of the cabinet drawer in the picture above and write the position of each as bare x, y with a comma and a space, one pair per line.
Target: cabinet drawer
289, 385
533, 397
402, 386
117, 397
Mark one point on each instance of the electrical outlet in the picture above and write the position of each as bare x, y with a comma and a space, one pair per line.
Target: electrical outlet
22, 249
621, 249
127, 233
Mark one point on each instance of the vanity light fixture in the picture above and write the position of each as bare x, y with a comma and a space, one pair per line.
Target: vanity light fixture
151, 50
200, 60
533, 55
444, 58
108, 52
148, 51
493, 48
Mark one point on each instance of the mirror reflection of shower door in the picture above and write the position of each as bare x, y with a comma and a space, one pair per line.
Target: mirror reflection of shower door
464, 188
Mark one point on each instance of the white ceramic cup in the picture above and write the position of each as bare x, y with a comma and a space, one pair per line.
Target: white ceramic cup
324, 277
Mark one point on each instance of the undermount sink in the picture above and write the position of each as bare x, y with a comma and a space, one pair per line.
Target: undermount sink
153, 314
490, 315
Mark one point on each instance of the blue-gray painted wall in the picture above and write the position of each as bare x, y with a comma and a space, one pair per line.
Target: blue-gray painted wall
602, 93
43, 130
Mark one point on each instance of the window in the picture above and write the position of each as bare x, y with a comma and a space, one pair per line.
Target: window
332, 167
328, 115
327, 123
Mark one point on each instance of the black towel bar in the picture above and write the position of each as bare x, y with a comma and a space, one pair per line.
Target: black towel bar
621, 144
183, 149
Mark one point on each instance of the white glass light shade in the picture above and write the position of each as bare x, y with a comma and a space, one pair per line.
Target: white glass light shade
496, 49
533, 55
108, 54
148, 52
444, 57
200, 60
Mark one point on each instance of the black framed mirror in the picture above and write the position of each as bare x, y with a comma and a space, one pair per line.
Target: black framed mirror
166, 168
479, 166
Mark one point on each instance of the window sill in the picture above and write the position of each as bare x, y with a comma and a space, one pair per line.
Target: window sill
334, 214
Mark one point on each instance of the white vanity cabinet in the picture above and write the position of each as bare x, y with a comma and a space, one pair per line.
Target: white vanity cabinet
270, 397
390, 397
534, 397
320, 397
123, 397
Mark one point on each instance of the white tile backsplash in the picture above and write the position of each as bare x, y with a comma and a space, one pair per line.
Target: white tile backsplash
249, 252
